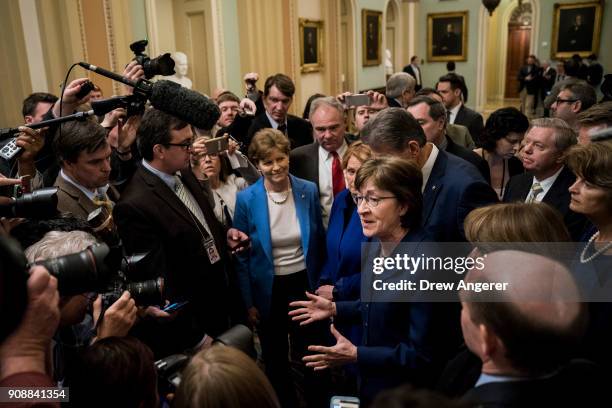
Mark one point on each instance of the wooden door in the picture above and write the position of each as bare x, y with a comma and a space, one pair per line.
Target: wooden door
518, 50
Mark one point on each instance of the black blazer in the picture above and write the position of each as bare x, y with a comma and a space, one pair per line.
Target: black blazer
299, 130
471, 120
304, 163
558, 197
409, 70
469, 156
151, 218
393, 103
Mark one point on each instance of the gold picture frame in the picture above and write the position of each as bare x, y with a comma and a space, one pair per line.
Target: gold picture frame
447, 36
371, 34
311, 45
576, 29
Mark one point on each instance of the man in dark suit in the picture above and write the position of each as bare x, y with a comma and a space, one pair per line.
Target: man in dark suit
431, 115
320, 162
529, 83
400, 89
277, 98
450, 86
164, 212
547, 179
522, 343
452, 186
414, 70
547, 80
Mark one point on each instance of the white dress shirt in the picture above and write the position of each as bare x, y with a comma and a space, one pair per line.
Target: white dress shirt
428, 166
546, 184
326, 192
453, 113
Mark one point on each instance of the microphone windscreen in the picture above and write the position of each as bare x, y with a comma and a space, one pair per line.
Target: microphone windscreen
190, 106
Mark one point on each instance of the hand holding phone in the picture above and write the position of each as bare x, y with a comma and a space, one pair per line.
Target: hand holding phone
217, 145
357, 100
173, 307
241, 245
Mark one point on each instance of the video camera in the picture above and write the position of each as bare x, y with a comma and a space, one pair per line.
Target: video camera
162, 65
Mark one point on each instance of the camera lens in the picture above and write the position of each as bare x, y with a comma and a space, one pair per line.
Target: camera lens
146, 293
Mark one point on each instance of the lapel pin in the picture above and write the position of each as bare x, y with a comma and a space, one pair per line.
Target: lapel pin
303, 196
433, 187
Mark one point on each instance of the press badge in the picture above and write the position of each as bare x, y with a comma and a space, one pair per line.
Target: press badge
211, 250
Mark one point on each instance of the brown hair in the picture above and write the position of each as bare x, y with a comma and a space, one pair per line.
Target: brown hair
282, 82
515, 222
598, 114
264, 141
593, 163
400, 177
227, 96
359, 150
223, 376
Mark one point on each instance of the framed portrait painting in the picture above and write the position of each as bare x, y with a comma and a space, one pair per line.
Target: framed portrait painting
371, 29
311, 45
576, 29
447, 36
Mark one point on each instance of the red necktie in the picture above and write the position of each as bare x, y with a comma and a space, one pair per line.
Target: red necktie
337, 176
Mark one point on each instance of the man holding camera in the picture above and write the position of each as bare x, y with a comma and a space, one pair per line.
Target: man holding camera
164, 212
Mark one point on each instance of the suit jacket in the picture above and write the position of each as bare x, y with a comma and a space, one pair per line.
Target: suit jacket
403, 341
454, 188
472, 120
393, 103
71, 199
460, 135
151, 218
557, 196
304, 163
410, 70
533, 84
470, 157
299, 130
255, 267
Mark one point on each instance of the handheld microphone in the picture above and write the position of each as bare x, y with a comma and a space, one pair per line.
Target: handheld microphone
171, 98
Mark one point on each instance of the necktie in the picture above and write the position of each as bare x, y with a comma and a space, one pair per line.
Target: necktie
449, 114
282, 128
103, 200
337, 176
187, 199
536, 189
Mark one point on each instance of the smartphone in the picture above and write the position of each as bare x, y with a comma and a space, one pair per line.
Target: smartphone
357, 100
344, 402
242, 244
217, 145
173, 307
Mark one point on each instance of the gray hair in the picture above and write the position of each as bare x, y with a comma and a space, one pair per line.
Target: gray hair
398, 83
325, 101
392, 129
565, 136
59, 243
583, 92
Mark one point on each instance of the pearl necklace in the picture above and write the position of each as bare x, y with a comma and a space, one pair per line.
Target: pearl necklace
596, 253
283, 201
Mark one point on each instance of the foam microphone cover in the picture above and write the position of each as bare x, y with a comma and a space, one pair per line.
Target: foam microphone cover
190, 106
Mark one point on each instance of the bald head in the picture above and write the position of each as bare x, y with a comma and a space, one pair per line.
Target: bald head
532, 326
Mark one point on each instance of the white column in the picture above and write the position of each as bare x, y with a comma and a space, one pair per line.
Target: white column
34, 52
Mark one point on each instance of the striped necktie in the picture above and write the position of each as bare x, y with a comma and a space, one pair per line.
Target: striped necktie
185, 196
536, 189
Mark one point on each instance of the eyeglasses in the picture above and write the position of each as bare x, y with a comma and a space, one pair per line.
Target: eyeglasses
371, 201
560, 100
184, 145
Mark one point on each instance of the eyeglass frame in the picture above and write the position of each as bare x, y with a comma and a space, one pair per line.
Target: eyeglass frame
357, 198
560, 100
184, 146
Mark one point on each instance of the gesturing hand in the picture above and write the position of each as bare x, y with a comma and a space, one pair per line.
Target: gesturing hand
308, 311
344, 352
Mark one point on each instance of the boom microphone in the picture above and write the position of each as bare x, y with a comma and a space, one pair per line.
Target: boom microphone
170, 97
185, 104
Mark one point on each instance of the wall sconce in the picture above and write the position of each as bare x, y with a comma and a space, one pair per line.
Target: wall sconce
491, 5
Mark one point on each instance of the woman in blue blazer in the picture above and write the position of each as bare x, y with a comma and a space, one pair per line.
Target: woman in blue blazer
403, 341
282, 216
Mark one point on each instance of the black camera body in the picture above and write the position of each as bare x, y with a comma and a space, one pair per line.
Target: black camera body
162, 65
40, 204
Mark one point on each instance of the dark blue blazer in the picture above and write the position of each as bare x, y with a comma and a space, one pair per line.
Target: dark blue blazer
454, 188
255, 268
344, 237
402, 341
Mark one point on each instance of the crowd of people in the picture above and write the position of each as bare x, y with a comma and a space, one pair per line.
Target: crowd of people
279, 230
